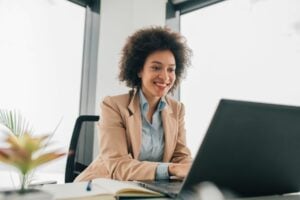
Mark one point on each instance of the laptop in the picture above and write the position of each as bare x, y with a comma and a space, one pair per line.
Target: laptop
250, 149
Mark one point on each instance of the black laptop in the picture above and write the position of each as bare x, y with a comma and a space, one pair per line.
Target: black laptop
250, 149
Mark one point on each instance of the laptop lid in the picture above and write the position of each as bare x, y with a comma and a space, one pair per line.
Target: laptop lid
250, 149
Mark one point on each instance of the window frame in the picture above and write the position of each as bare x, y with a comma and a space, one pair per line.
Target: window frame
89, 55
87, 105
186, 6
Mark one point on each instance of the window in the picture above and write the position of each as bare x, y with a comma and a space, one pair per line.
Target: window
243, 49
41, 48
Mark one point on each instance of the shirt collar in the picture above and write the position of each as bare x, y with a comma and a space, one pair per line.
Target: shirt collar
144, 103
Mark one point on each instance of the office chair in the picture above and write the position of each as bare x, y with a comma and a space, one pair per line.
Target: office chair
81, 146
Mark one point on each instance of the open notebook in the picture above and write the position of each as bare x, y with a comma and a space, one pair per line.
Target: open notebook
105, 188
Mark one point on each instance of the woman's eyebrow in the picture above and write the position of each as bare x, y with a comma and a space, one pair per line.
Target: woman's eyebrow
158, 62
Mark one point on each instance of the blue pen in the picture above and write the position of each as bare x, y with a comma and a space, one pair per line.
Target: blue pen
89, 186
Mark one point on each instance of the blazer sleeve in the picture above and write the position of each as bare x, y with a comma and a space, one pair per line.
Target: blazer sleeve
181, 153
114, 149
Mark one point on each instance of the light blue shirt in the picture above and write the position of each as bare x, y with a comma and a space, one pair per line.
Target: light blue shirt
153, 143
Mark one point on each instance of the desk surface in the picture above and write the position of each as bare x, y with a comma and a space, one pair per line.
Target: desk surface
9, 179
289, 197
278, 197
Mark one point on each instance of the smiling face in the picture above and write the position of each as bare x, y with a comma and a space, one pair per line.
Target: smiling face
158, 74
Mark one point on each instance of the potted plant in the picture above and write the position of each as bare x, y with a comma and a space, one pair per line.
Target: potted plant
24, 150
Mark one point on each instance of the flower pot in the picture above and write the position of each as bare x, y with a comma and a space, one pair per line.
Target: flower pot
29, 194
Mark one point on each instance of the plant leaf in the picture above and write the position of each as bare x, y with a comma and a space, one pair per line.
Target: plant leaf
15, 122
24, 150
46, 158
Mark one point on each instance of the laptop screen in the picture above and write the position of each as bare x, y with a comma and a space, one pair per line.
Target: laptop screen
250, 149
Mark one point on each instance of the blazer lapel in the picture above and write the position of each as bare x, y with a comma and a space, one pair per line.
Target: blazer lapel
134, 124
170, 126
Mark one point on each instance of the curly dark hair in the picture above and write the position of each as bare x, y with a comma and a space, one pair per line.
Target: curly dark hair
146, 41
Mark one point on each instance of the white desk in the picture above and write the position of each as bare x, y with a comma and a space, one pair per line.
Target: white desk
9, 179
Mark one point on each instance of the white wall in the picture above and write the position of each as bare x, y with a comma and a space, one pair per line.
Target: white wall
118, 20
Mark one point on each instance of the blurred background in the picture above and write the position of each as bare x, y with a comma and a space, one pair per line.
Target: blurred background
59, 58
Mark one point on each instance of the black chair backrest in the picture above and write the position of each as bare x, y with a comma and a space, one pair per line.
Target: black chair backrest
81, 146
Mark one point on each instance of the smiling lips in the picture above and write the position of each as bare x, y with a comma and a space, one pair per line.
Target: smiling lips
161, 84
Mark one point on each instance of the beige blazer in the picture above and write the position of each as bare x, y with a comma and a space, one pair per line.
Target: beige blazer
120, 139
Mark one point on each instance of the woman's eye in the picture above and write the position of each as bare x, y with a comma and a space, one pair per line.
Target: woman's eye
171, 69
156, 68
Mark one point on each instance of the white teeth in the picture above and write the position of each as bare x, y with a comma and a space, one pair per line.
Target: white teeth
161, 84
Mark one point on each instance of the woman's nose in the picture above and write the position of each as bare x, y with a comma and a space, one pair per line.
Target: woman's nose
164, 75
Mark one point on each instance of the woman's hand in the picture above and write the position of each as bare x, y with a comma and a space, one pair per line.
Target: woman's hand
178, 169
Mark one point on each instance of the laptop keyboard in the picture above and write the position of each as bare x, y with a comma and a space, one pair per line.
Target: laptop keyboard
168, 187
171, 186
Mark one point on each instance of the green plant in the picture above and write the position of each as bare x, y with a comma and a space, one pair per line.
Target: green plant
14, 122
24, 150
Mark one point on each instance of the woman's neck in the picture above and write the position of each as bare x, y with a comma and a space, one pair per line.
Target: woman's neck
151, 111
152, 102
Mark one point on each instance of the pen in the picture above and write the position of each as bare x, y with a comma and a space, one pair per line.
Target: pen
89, 186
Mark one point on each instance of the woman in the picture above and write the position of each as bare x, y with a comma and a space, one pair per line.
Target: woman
142, 134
